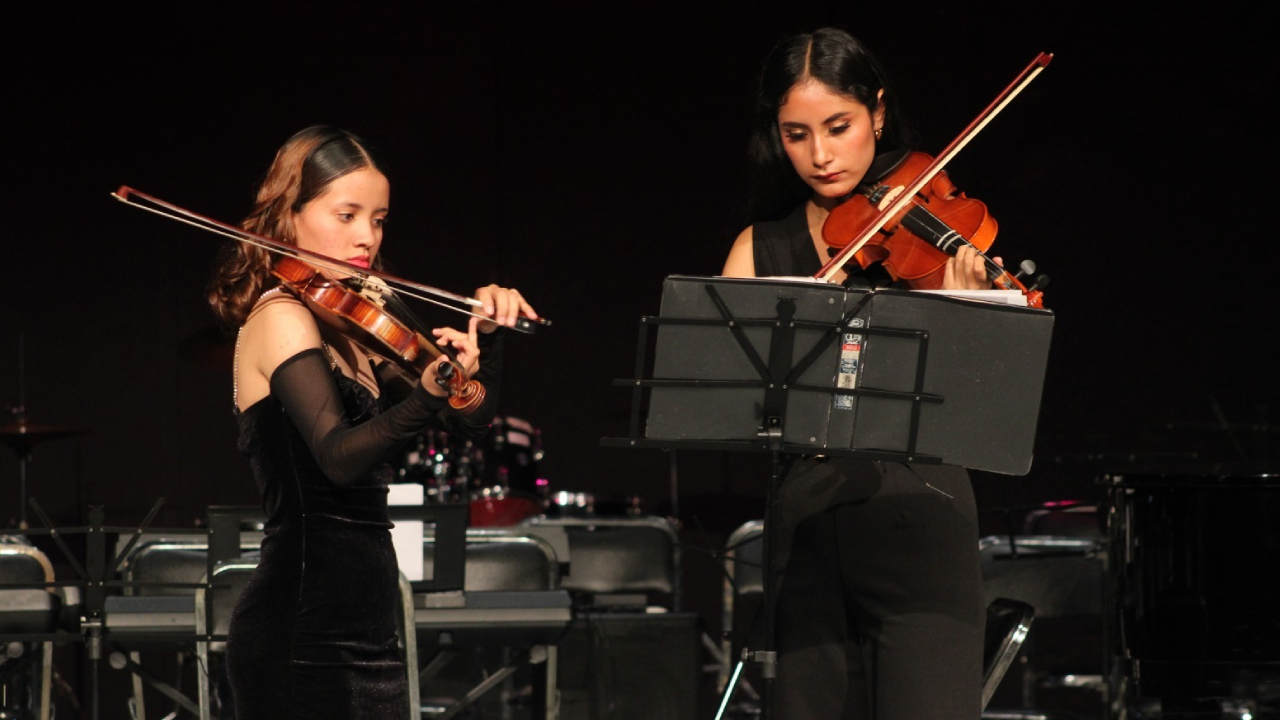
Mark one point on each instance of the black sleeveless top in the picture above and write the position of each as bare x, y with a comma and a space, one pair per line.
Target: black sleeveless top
784, 247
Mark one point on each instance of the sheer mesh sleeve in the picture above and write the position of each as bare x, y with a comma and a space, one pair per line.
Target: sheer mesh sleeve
397, 385
394, 383
304, 385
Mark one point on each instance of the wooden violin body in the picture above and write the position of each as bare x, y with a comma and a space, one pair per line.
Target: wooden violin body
363, 319
914, 243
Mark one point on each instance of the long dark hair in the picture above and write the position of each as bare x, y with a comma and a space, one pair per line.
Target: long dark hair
303, 168
843, 64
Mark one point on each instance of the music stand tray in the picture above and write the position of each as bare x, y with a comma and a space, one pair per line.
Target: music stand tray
883, 374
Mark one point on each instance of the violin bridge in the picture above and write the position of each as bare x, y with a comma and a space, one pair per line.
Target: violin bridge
886, 195
374, 290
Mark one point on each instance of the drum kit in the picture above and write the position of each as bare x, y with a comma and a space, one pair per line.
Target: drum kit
498, 476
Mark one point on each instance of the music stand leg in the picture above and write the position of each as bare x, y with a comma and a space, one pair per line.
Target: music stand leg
730, 687
766, 655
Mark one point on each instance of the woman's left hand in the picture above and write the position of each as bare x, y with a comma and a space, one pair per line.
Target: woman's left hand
966, 270
466, 350
503, 305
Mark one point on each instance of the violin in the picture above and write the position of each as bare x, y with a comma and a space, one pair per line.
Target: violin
912, 218
915, 243
357, 301
362, 316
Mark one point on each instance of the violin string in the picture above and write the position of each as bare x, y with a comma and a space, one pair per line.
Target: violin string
403, 287
923, 222
196, 220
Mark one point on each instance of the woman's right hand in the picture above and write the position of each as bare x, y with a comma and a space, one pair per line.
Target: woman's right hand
467, 351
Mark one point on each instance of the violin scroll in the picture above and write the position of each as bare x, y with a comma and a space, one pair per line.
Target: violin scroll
465, 395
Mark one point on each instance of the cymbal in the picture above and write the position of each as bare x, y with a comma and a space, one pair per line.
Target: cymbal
24, 435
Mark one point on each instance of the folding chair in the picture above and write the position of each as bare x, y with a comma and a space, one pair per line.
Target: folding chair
510, 600
160, 565
620, 563
1063, 578
26, 611
213, 606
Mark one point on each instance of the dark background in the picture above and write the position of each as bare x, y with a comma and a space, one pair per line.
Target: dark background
584, 151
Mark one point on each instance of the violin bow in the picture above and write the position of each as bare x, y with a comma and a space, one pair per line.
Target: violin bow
401, 286
899, 201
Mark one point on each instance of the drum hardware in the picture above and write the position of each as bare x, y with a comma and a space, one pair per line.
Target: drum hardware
500, 507
22, 436
584, 505
497, 475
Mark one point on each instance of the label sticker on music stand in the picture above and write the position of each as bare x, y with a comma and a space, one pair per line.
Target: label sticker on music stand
850, 352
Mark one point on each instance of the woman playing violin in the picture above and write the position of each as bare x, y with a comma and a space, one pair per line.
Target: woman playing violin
314, 633
880, 607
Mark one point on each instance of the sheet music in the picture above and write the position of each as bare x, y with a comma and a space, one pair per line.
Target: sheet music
1007, 297
1004, 297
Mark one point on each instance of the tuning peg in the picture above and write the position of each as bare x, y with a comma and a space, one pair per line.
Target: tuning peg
1026, 267
1042, 282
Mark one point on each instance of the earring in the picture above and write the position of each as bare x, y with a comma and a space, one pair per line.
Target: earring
879, 131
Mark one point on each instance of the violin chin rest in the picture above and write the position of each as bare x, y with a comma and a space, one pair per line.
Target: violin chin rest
883, 164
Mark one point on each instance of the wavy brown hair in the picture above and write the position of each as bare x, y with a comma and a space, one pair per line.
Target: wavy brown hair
303, 169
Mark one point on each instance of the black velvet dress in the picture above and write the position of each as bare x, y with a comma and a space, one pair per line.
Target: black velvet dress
314, 633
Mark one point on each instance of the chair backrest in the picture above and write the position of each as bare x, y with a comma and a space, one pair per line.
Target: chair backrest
215, 602
175, 560
1083, 521
620, 555
1058, 576
744, 558
502, 560
21, 563
26, 610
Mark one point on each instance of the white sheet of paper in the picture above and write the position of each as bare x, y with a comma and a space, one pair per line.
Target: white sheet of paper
1008, 297
406, 536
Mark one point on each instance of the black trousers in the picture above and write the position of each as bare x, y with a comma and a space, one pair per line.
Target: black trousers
880, 607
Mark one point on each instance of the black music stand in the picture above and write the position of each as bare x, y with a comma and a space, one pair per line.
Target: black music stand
794, 367
450, 521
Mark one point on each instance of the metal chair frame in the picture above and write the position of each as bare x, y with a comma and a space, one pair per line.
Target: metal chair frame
649, 521
198, 542
995, 667
45, 682
408, 625
208, 623
733, 572
1050, 546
